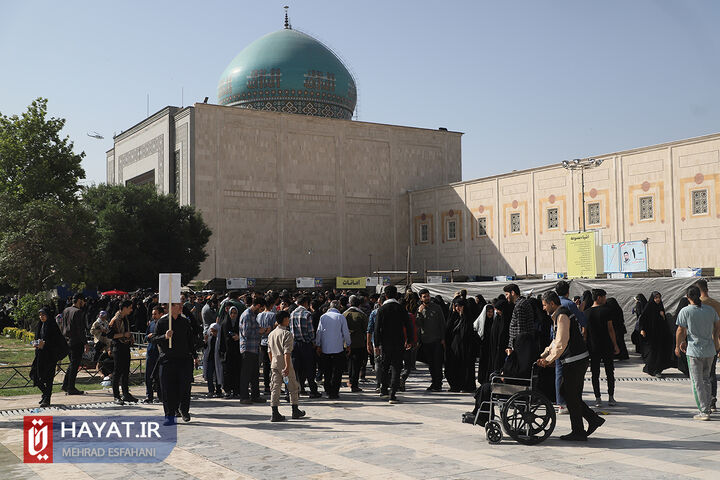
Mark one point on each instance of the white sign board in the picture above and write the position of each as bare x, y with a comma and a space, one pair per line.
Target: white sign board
633, 257
686, 272
305, 282
373, 281
169, 288
434, 279
552, 276
501, 278
236, 283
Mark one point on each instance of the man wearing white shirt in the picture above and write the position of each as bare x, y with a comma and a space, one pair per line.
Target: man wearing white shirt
332, 341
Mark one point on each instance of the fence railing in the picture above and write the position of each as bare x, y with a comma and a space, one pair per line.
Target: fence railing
139, 339
18, 376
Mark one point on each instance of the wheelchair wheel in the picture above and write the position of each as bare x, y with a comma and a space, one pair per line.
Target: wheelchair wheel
528, 417
493, 432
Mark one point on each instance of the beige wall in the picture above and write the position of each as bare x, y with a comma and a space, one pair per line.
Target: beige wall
290, 195
144, 147
668, 173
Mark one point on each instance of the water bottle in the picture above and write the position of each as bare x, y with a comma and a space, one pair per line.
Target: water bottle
286, 379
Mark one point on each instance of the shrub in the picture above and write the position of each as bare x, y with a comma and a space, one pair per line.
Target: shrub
26, 312
19, 333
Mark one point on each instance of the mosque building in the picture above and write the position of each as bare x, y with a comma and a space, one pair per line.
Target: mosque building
291, 186
288, 183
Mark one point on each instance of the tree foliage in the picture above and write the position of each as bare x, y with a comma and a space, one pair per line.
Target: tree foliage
36, 163
141, 233
45, 234
43, 243
25, 313
52, 232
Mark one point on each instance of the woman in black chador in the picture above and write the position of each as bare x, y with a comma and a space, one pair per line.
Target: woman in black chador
50, 348
460, 348
654, 329
499, 334
618, 319
483, 327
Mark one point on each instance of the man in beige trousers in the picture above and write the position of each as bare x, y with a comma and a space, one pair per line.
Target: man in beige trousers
280, 346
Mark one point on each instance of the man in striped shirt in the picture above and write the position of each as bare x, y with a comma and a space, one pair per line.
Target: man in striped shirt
303, 354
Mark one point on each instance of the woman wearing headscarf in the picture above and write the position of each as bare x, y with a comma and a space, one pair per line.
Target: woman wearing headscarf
682, 361
483, 327
618, 319
586, 301
637, 340
499, 333
212, 364
50, 348
461, 348
656, 332
99, 330
230, 353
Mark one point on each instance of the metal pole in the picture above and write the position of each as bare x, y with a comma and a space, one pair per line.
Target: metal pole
582, 186
370, 263
407, 282
553, 250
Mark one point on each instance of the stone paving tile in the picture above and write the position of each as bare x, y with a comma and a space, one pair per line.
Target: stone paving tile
484, 474
609, 470
16, 471
650, 435
248, 457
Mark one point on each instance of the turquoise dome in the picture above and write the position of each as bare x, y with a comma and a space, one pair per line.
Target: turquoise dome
289, 71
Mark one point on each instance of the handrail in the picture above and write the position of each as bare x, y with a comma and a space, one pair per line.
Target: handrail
23, 372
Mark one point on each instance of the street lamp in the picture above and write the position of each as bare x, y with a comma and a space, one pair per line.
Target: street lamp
582, 164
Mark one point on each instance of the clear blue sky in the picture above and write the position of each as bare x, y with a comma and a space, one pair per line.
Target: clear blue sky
529, 82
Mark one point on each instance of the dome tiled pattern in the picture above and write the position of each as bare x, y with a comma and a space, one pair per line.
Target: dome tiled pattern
289, 71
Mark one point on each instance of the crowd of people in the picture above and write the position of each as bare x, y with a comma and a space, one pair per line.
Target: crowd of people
291, 342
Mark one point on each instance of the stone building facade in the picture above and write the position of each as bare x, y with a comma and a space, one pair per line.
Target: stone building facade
288, 195
508, 224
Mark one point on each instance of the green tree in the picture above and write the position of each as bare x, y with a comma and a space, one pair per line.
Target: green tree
45, 234
44, 243
142, 233
36, 163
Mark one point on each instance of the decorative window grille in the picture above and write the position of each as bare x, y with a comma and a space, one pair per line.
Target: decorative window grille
552, 218
646, 208
514, 223
424, 232
452, 230
482, 226
699, 202
593, 214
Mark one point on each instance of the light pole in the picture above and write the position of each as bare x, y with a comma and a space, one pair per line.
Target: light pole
582, 164
553, 247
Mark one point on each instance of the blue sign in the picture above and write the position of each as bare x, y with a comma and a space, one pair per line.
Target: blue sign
118, 439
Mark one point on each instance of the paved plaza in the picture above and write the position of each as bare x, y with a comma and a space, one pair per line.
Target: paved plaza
650, 434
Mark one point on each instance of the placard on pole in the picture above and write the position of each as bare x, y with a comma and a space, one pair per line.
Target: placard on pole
169, 292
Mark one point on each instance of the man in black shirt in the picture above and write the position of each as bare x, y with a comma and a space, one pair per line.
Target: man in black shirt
392, 329
175, 363
74, 325
602, 344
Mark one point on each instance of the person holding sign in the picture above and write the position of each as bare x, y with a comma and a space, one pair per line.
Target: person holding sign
175, 362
